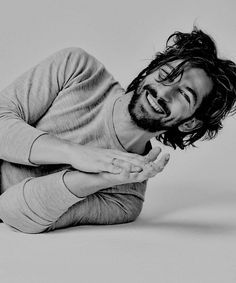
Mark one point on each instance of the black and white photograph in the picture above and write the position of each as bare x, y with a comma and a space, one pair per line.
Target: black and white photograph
117, 141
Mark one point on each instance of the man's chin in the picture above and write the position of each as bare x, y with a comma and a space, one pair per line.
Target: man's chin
140, 118
146, 124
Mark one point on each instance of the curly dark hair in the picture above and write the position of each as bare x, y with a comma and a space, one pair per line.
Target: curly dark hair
197, 49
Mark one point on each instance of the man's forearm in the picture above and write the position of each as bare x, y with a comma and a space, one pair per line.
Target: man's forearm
83, 184
48, 149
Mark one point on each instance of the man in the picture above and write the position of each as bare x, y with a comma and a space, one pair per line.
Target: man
76, 149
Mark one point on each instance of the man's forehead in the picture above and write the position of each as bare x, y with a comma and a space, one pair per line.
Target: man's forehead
174, 63
190, 72
180, 63
185, 65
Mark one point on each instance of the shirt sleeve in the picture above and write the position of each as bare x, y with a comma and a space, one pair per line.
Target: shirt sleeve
34, 204
101, 208
30, 96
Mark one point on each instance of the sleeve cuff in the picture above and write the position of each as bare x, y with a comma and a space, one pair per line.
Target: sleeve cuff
47, 197
31, 146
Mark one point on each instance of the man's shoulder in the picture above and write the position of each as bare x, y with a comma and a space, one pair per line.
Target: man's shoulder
76, 57
76, 53
74, 50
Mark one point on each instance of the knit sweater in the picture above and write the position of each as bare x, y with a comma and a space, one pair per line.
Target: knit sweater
69, 95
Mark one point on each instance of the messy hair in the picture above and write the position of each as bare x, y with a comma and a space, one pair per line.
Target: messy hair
196, 49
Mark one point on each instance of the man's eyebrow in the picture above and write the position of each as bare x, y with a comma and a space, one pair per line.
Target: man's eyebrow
195, 96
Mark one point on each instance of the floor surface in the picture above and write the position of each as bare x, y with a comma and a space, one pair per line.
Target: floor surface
181, 240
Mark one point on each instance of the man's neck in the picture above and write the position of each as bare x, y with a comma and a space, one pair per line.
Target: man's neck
132, 138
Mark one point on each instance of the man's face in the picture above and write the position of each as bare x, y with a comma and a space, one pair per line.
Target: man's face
157, 106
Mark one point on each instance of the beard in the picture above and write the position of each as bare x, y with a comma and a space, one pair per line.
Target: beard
141, 117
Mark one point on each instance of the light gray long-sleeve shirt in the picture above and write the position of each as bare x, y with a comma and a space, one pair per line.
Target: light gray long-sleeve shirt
71, 96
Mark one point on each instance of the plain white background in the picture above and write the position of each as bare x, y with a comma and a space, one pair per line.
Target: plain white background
186, 232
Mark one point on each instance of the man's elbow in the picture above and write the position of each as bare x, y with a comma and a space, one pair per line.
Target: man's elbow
124, 209
134, 211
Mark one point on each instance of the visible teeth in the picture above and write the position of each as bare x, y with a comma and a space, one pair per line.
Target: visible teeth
154, 104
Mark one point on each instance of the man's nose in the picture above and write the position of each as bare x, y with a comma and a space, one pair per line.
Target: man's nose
166, 92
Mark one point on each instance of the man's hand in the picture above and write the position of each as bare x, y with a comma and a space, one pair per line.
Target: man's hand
96, 160
92, 183
150, 169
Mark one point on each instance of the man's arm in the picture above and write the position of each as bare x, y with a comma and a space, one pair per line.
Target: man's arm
33, 205
30, 96
102, 208
48, 149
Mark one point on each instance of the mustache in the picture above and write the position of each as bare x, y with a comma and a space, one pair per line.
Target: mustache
151, 90
160, 100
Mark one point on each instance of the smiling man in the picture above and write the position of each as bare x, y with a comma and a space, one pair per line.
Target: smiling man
159, 104
75, 147
173, 101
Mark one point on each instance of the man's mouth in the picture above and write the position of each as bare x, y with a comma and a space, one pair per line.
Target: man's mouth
154, 104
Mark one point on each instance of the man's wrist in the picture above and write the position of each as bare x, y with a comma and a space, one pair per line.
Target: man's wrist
82, 184
66, 152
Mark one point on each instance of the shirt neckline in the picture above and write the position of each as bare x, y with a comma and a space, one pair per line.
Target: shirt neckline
110, 123
111, 126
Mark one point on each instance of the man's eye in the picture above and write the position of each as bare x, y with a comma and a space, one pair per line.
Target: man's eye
163, 74
182, 92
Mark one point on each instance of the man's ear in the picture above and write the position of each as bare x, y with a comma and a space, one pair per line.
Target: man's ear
190, 125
